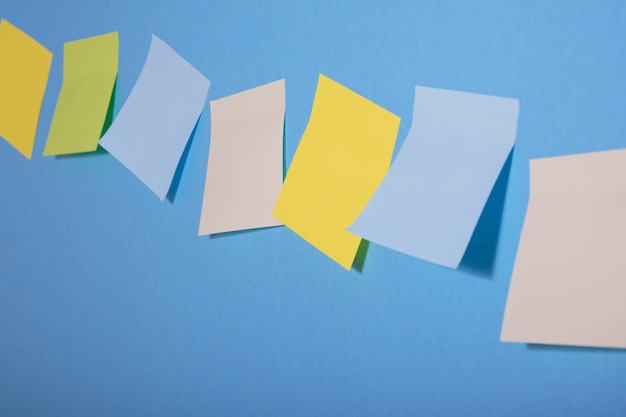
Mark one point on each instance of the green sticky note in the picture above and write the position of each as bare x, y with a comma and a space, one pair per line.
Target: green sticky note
89, 74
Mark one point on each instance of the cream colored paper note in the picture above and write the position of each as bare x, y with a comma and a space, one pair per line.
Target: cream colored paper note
569, 280
245, 167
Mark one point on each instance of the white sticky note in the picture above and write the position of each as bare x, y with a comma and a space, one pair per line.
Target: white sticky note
569, 280
245, 167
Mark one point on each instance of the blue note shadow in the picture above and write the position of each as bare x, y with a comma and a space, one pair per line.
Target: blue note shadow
171, 194
480, 255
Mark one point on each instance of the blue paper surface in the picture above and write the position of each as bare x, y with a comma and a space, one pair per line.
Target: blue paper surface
154, 125
430, 201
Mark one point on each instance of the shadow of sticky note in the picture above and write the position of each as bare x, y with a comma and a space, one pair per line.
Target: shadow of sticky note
481, 251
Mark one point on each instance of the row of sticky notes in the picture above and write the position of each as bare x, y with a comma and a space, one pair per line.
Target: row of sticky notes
341, 186
148, 135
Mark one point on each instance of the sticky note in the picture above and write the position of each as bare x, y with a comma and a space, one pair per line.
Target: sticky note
430, 201
24, 69
342, 157
149, 134
89, 74
245, 167
569, 277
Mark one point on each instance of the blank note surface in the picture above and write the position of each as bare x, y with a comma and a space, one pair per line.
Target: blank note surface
149, 134
569, 279
430, 201
245, 167
89, 74
344, 154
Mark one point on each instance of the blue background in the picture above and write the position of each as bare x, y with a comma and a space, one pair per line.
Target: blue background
110, 304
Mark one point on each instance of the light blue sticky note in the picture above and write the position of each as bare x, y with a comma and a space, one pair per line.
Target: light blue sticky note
151, 131
430, 201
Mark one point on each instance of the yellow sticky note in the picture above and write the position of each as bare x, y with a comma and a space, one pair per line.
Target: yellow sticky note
24, 69
89, 74
343, 156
